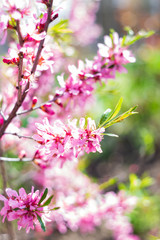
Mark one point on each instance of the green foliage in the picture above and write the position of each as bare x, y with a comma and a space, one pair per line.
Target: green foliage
108, 118
60, 32
154, 238
43, 196
47, 202
41, 223
130, 38
108, 183
146, 214
136, 185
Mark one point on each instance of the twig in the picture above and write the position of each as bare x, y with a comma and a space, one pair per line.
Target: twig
14, 110
17, 135
15, 159
39, 106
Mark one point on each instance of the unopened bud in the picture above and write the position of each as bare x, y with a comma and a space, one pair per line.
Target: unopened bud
47, 108
34, 101
22, 154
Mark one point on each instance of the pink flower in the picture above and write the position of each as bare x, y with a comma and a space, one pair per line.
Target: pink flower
62, 140
114, 54
26, 208
16, 8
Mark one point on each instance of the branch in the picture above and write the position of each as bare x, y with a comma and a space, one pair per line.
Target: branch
20, 100
19, 33
16, 159
42, 41
14, 110
19, 136
20, 66
41, 105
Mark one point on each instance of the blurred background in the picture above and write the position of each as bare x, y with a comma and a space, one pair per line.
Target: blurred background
137, 150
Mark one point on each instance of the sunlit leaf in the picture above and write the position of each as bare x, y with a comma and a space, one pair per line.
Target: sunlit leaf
111, 134
43, 196
130, 38
108, 183
121, 117
41, 222
104, 116
47, 202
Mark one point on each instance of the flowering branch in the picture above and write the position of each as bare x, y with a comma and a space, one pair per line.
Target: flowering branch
55, 98
22, 97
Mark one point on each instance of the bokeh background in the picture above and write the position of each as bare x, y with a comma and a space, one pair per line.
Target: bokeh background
137, 150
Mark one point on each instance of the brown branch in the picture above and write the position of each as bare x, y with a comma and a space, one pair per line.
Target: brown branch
20, 67
14, 110
42, 41
21, 41
20, 101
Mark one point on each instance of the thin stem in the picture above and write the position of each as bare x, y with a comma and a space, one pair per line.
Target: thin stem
5, 159
41, 105
19, 136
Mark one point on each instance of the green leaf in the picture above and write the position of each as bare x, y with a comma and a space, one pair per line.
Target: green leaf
131, 38
104, 119
111, 134
146, 182
47, 202
121, 117
41, 222
56, 208
43, 196
60, 31
117, 109
16, 209
104, 116
108, 183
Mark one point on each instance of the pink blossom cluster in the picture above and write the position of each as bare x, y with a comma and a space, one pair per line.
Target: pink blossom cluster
11, 11
30, 33
59, 141
24, 208
80, 84
84, 207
